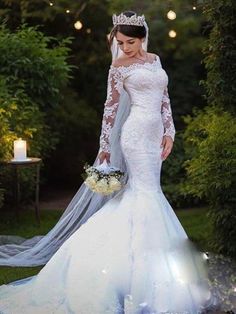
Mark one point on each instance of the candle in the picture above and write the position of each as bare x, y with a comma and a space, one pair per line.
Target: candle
20, 150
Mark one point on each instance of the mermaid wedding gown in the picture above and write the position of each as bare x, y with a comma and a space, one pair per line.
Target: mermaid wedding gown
133, 255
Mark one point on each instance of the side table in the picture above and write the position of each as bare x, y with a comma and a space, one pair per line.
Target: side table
17, 165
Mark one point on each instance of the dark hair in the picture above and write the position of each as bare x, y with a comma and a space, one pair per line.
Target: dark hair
128, 30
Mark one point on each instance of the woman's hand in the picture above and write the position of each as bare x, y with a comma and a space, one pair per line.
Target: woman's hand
167, 144
103, 155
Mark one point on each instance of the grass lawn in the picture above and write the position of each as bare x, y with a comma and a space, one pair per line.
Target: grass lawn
194, 221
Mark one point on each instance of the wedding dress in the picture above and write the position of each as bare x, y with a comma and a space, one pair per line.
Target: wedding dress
133, 255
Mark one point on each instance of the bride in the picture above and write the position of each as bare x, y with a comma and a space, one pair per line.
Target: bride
132, 255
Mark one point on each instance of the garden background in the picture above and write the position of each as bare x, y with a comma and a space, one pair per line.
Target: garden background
53, 87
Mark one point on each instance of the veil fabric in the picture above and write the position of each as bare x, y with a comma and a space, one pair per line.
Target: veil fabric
17, 251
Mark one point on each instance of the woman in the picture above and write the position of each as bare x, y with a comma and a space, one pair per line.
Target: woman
131, 256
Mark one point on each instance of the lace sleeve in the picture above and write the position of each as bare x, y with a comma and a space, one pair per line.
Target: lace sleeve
166, 113
114, 87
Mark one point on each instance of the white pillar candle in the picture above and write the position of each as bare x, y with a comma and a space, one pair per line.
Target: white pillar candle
20, 150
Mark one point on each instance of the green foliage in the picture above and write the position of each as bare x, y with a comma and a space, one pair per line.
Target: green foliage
31, 76
27, 63
211, 136
210, 141
21, 117
220, 53
173, 173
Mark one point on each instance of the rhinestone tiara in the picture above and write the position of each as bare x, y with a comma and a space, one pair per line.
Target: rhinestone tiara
126, 20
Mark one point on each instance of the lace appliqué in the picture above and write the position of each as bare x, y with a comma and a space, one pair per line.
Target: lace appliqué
152, 66
114, 88
166, 114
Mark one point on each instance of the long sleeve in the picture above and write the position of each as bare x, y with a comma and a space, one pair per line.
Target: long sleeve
166, 113
114, 88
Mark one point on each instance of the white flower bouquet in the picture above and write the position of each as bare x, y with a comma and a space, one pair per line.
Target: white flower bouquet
103, 179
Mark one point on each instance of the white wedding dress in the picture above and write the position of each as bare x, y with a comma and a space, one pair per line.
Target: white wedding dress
133, 255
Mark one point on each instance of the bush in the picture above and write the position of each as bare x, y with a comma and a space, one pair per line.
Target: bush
173, 173
20, 117
210, 141
35, 63
31, 76
220, 53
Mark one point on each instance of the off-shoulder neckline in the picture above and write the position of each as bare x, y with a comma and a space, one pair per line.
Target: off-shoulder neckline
135, 63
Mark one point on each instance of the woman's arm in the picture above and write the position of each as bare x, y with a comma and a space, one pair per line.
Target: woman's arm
169, 128
166, 113
167, 120
114, 88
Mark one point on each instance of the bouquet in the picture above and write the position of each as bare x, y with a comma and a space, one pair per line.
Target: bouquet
103, 179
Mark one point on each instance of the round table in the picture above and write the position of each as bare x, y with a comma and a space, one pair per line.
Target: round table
17, 165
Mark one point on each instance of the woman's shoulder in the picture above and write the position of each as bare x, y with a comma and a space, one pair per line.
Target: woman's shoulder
121, 61
154, 55
125, 61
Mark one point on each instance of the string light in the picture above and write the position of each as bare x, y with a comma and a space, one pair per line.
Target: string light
171, 15
172, 33
78, 25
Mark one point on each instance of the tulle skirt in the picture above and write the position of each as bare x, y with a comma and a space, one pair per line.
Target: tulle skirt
132, 256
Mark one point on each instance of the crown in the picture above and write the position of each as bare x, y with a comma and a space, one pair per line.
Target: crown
126, 20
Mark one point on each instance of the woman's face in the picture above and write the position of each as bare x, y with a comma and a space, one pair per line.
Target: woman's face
129, 45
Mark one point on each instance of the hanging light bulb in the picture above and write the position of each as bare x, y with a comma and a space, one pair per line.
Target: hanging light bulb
78, 25
171, 15
51, 4
194, 8
172, 33
88, 30
67, 11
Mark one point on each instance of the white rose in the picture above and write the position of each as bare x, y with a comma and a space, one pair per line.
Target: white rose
114, 184
91, 182
101, 186
95, 176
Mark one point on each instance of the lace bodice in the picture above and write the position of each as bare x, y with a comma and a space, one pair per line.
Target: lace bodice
142, 90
